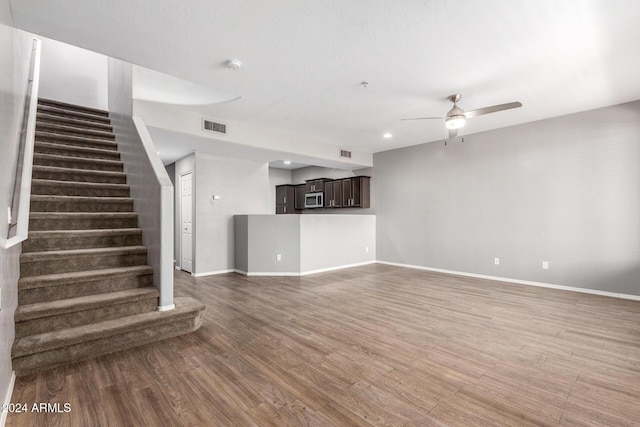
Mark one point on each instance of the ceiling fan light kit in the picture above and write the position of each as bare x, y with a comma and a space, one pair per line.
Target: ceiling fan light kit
456, 117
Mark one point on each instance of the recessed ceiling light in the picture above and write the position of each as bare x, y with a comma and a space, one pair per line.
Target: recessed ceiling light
387, 135
287, 162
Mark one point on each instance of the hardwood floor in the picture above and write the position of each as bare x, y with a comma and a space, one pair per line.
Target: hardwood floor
373, 345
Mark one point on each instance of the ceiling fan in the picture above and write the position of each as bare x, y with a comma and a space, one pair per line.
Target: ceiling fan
457, 117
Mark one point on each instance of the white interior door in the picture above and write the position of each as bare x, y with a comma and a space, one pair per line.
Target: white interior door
186, 219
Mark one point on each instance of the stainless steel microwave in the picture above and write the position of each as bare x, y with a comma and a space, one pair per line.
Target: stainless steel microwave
313, 200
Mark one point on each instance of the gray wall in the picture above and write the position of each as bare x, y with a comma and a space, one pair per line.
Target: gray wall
15, 51
151, 188
74, 75
243, 187
563, 190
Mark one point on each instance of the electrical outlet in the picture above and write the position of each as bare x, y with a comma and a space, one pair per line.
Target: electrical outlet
496, 261
278, 257
366, 249
545, 265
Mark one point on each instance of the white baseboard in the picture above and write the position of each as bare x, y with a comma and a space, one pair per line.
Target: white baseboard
302, 273
178, 268
518, 281
339, 267
7, 399
211, 273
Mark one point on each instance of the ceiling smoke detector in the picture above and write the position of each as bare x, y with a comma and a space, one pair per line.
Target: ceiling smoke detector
234, 64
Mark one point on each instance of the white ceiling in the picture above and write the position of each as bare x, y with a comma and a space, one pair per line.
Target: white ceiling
303, 61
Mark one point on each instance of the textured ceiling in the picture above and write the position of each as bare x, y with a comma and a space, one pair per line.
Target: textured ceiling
303, 61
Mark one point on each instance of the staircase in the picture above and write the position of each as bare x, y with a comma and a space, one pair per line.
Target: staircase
85, 289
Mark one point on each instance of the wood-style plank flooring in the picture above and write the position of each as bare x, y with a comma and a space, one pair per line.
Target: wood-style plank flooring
373, 345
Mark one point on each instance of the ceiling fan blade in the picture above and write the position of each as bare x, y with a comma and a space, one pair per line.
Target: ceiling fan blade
453, 133
492, 109
425, 118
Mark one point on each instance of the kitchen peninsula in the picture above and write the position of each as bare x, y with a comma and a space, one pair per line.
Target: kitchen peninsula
296, 245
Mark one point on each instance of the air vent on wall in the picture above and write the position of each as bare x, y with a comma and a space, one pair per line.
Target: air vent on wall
345, 153
211, 126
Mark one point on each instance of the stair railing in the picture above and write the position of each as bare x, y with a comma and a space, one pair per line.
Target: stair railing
18, 212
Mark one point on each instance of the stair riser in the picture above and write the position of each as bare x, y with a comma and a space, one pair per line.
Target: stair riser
82, 263
79, 163
78, 177
73, 121
78, 289
56, 243
82, 224
29, 364
67, 206
70, 114
73, 130
77, 142
70, 190
97, 314
63, 151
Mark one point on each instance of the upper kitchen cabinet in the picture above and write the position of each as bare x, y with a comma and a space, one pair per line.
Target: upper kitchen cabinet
333, 194
285, 199
356, 192
315, 185
300, 191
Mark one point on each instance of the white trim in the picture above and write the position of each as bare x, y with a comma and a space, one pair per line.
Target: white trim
178, 268
302, 273
211, 273
7, 399
166, 307
518, 281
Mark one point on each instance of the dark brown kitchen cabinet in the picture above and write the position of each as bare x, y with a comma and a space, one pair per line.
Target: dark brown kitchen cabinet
333, 194
300, 191
285, 199
356, 192
315, 185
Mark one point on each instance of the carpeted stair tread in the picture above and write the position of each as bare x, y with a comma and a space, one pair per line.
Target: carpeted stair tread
63, 112
82, 215
81, 253
46, 280
65, 129
75, 151
50, 240
45, 187
87, 302
85, 199
75, 140
74, 121
72, 107
185, 308
78, 175
77, 162
62, 234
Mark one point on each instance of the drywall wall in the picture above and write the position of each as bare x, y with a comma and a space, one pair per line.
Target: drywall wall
74, 75
266, 237
243, 188
277, 177
151, 188
6, 18
183, 166
563, 190
330, 241
15, 55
